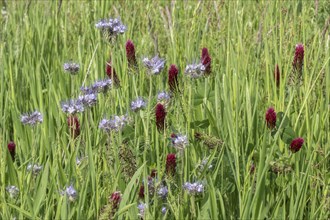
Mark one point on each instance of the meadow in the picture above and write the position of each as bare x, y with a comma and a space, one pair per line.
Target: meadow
165, 109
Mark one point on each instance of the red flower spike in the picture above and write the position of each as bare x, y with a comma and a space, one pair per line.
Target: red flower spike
112, 73
206, 61
160, 117
170, 164
130, 54
270, 118
173, 77
277, 75
296, 144
115, 199
74, 126
298, 59
141, 192
12, 149
153, 173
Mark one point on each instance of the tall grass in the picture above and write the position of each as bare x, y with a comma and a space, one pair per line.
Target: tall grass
245, 39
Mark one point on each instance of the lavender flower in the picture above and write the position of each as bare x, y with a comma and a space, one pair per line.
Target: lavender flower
154, 65
71, 193
32, 118
71, 67
138, 104
142, 208
164, 210
112, 26
88, 100
179, 141
34, 168
100, 86
13, 191
162, 192
72, 106
203, 163
195, 70
115, 123
194, 188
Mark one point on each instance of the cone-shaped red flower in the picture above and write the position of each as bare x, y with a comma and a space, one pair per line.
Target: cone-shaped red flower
130, 54
277, 75
115, 199
206, 61
112, 73
298, 59
160, 116
296, 144
141, 192
170, 164
270, 118
173, 78
153, 173
74, 126
12, 149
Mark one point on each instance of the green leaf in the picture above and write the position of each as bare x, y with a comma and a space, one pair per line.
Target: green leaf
41, 193
288, 135
279, 118
200, 124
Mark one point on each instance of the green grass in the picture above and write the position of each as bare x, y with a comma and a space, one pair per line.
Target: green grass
246, 39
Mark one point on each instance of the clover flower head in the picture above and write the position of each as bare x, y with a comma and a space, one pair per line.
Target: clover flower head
31, 118
154, 65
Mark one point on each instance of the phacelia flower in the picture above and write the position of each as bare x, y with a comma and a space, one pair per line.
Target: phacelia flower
130, 54
195, 70
162, 192
71, 193
71, 67
12, 149
298, 59
163, 97
100, 86
203, 164
74, 126
115, 199
194, 188
13, 191
296, 144
32, 118
88, 100
112, 27
179, 141
154, 65
164, 210
34, 168
115, 123
271, 118
170, 164
206, 61
110, 71
142, 208
138, 104
160, 117
72, 106
277, 75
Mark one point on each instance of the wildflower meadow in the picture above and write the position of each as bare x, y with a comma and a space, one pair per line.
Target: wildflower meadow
164, 109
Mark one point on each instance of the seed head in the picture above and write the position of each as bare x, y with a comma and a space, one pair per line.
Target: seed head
160, 117
170, 164
206, 61
74, 126
173, 78
296, 144
277, 75
12, 149
270, 118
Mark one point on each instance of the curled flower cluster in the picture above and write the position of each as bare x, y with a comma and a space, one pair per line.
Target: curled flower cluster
71, 193
71, 67
115, 123
163, 97
195, 70
112, 26
13, 191
88, 100
162, 192
32, 118
179, 141
194, 188
72, 106
138, 104
100, 86
35, 169
154, 65
142, 208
